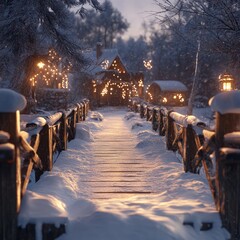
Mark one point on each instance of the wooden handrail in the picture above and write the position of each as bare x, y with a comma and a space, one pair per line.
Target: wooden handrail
33, 149
196, 142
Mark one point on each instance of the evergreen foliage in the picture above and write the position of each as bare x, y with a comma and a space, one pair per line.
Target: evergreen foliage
28, 28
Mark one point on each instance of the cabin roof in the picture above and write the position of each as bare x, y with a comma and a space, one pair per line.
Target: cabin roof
95, 64
170, 85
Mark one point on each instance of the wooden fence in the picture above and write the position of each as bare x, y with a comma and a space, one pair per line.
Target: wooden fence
49, 135
216, 150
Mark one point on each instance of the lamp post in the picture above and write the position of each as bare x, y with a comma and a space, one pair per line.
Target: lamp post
226, 82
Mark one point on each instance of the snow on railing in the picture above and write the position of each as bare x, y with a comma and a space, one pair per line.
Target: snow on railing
216, 150
31, 148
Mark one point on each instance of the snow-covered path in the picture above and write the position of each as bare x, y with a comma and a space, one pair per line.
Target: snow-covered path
117, 181
120, 169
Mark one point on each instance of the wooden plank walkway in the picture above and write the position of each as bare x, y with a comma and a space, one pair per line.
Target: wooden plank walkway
119, 168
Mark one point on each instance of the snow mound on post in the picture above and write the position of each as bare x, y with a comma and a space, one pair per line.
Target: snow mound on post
226, 102
52, 210
37, 122
11, 101
186, 120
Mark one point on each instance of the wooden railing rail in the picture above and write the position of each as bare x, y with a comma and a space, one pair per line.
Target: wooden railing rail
197, 143
34, 148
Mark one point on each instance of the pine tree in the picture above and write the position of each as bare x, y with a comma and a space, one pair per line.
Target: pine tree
104, 26
29, 28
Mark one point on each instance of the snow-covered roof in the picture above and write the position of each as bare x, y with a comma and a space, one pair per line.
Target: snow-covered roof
95, 64
226, 102
108, 54
170, 85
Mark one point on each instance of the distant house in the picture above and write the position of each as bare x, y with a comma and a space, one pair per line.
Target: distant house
112, 84
167, 92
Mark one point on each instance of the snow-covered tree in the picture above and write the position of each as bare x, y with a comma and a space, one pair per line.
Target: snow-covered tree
104, 26
28, 28
218, 22
214, 23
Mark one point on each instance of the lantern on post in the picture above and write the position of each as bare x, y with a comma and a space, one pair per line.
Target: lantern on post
226, 82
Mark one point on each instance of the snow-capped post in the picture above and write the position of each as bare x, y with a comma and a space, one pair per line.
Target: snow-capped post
227, 108
170, 132
10, 170
79, 106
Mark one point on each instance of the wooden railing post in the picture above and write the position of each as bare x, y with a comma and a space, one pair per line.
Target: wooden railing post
170, 133
45, 150
80, 116
77, 112
135, 109
63, 132
73, 124
148, 113
84, 112
161, 127
228, 174
87, 106
10, 169
227, 160
189, 148
228, 179
142, 109
154, 119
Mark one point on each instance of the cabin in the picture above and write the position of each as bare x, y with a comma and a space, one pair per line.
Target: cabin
167, 93
111, 82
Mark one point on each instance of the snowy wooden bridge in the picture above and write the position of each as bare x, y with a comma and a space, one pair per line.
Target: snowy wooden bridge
114, 171
120, 169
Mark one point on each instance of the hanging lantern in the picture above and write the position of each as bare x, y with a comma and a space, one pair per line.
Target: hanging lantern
226, 82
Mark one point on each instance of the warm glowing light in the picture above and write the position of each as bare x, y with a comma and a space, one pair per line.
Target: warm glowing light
105, 64
227, 86
164, 100
140, 83
147, 64
41, 64
226, 82
53, 73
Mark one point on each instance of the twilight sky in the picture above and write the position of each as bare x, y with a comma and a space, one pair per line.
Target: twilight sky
135, 11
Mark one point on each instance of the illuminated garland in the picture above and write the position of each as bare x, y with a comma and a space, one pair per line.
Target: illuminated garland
52, 73
127, 90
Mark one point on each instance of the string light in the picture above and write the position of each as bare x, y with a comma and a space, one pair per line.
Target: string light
105, 64
116, 83
53, 73
140, 83
147, 64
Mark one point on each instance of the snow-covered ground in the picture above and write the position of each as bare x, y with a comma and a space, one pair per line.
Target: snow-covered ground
60, 196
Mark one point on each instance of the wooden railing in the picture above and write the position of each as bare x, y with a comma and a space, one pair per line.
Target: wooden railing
197, 143
48, 136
